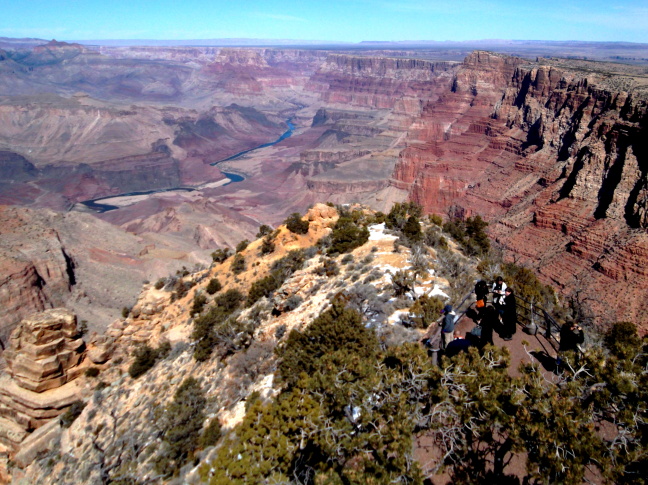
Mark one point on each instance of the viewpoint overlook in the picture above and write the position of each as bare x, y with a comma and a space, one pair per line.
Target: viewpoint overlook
129, 174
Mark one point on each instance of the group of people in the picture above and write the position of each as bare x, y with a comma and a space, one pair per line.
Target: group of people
500, 316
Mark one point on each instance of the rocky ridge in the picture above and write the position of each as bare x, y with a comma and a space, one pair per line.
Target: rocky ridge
116, 432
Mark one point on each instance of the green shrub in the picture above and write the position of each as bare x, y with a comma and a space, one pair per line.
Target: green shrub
145, 358
337, 330
198, 303
92, 372
229, 301
204, 331
242, 245
400, 214
527, 285
403, 282
163, 350
622, 340
125, 312
211, 434
470, 234
159, 284
434, 238
281, 270
264, 230
213, 286
426, 311
412, 229
328, 268
290, 263
254, 397
180, 288
267, 245
220, 255
436, 219
347, 236
475, 229
72, 413
238, 264
296, 225
264, 287
181, 426
101, 385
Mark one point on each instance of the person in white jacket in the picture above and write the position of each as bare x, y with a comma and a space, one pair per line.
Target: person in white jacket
499, 292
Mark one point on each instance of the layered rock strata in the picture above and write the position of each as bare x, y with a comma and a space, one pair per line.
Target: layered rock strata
45, 355
556, 160
45, 350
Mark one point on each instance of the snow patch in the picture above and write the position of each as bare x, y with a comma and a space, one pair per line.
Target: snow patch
377, 233
396, 317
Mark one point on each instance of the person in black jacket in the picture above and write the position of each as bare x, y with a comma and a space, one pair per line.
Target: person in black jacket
571, 335
489, 321
509, 317
481, 291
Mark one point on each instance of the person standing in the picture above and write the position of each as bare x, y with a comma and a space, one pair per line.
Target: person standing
488, 322
481, 293
571, 336
509, 317
498, 290
447, 325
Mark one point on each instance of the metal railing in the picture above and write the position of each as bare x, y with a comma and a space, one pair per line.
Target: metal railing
530, 314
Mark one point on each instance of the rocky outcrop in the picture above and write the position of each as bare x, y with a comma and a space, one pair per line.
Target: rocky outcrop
50, 259
45, 350
45, 355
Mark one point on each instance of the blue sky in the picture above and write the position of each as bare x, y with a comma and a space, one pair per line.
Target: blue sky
335, 20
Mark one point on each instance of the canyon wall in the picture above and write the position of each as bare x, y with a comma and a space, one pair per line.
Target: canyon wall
556, 160
548, 154
50, 259
380, 83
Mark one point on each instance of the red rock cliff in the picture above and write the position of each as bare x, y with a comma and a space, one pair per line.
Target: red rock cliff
556, 160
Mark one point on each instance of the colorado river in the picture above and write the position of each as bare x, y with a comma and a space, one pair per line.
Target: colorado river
96, 206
